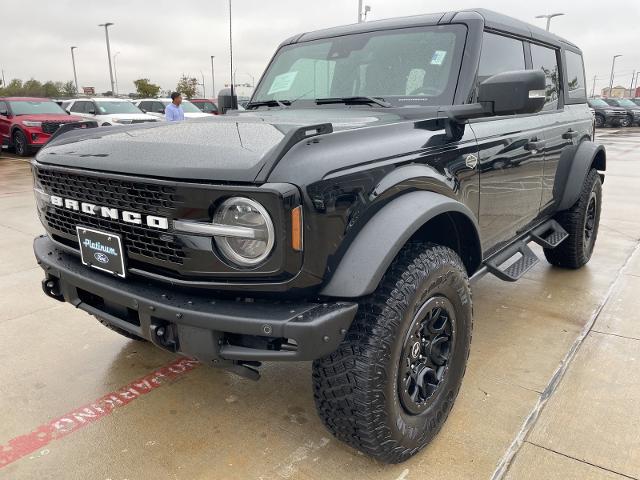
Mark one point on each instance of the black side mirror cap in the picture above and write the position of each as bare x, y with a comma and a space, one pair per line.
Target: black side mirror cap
226, 101
513, 93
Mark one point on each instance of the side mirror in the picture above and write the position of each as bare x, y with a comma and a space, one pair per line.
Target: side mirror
142, 110
162, 111
4, 113
91, 112
513, 93
226, 101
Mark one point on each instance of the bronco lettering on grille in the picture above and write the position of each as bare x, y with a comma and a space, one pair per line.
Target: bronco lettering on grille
110, 213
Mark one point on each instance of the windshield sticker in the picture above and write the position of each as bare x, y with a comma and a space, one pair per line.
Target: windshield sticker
438, 57
283, 82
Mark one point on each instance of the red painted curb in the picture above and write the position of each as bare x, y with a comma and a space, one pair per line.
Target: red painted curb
78, 418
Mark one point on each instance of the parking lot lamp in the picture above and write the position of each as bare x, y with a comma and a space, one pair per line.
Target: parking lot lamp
213, 79
73, 62
549, 17
115, 70
613, 66
106, 34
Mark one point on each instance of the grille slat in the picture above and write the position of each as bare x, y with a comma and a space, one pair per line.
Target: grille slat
150, 199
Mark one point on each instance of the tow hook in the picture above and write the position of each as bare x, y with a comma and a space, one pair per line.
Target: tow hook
51, 287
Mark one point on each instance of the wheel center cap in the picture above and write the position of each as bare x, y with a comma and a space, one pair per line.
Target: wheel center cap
415, 350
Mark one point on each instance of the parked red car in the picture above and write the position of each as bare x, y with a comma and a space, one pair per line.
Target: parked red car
206, 105
26, 123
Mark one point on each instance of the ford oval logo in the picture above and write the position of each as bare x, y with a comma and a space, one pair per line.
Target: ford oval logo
101, 257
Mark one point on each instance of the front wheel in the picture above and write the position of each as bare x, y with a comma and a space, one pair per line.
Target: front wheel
600, 121
20, 144
626, 122
581, 223
389, 387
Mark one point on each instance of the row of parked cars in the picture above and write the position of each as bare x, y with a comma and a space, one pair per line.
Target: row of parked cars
616, 112
27, 123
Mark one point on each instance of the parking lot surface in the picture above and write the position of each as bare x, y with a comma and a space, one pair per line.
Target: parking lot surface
552, 389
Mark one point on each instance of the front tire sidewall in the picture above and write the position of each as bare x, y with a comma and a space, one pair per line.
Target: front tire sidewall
417, 430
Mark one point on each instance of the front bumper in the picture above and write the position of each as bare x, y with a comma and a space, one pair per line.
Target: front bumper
211, 330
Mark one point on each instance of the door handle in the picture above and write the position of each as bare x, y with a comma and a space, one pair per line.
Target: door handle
570, 134
534, 145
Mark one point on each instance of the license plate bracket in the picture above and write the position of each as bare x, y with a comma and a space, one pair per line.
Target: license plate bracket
102, 251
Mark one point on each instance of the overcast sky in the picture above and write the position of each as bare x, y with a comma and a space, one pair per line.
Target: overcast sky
161, 39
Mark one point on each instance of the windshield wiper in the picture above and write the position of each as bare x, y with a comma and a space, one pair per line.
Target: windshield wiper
269, 103
361, 100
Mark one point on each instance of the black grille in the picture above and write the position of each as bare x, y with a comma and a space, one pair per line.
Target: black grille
139, 241
143, 121
132, 196
51, 126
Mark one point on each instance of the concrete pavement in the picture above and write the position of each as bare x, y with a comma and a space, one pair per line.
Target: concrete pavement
545, 395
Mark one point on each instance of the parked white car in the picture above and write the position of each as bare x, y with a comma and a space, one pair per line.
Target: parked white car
156, 106
107, 111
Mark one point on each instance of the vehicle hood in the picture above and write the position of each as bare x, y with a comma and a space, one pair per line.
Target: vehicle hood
224, 148
196, 115
49, 117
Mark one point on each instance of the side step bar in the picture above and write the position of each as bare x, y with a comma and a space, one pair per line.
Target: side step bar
548, 235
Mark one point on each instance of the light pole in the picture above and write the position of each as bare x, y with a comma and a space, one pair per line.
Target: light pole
362, 13
234, 104
549, 17
115, 70
106, 34
204, 91
73, 62
613, 66
213, 79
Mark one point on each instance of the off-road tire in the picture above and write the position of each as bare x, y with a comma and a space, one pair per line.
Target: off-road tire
626, 122
122, 332
576, 250
356, 388
20, 144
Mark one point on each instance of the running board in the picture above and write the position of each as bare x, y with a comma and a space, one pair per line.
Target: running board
548, 235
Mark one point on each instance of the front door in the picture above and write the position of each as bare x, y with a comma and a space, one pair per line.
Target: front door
511, 151
5, 123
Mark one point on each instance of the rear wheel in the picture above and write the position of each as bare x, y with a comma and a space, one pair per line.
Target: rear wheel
389, 387
581, 223
626, 121
20, 144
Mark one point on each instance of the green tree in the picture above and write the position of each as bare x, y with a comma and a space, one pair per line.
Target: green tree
69, 89
145, 88
187, 86
51, 89
13, 88
33, 88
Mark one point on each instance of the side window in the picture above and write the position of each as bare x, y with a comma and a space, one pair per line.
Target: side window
576, 84
499, 54
546, 59
157, 107
78, 107
144, 106
4, 111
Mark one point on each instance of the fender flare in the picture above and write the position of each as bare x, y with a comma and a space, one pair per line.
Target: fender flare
573, 168
370, 254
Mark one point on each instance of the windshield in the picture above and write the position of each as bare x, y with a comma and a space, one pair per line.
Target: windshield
626, 103
117, 107
404, 66
187, 106
34, 107
596, 102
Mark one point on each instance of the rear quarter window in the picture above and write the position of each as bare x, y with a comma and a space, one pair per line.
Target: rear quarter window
576, 83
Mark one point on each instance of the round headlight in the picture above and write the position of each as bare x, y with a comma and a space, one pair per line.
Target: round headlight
253, 238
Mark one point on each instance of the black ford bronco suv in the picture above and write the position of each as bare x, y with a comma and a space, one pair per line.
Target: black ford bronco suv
378, 169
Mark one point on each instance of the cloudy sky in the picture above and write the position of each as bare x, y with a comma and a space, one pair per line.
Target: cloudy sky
161, 39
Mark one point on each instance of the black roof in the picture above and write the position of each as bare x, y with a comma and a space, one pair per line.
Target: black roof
492, 20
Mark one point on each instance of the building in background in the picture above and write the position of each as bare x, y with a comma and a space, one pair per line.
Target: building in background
620, 92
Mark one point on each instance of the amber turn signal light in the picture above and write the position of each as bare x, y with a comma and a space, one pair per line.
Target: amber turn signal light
296, 228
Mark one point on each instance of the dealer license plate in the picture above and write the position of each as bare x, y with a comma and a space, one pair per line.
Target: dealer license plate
101, 250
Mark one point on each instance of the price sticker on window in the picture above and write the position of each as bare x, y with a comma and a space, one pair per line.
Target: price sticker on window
438, 57
282, 83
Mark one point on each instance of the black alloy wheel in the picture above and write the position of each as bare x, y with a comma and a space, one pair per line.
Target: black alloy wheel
424, 361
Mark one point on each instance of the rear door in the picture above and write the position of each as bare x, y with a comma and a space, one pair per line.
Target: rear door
511, 150
563, 126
